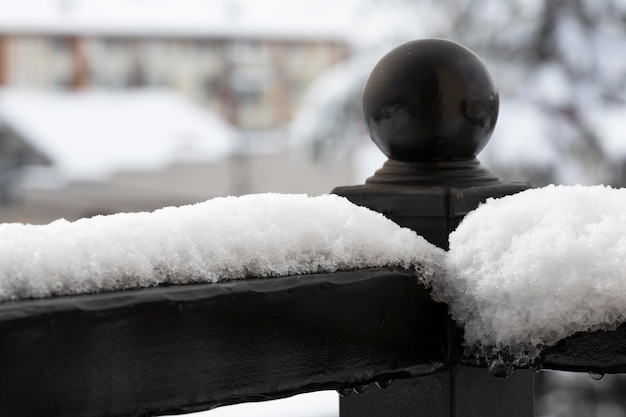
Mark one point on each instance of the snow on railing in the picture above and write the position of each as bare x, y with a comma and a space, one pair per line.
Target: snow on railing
528, 270
553, 257
224, 239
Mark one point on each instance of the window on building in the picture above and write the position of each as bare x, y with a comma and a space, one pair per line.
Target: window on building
60, 45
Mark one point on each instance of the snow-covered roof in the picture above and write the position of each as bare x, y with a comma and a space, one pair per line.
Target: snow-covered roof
93, 134
216, 18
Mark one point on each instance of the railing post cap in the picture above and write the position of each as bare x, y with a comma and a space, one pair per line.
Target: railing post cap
430, 100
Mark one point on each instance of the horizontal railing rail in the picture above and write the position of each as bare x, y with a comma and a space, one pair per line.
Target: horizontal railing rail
194, 347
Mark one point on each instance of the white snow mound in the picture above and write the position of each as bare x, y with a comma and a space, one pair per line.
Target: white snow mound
227, 238
535, 267
522, 272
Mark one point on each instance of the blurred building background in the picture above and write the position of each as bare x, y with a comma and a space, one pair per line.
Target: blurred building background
252, 80
115, 76
126, 105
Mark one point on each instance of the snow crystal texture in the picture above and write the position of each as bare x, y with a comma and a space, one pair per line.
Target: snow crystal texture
523, 271
221, 239
530, 269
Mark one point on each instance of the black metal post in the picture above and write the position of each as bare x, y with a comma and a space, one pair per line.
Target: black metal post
431, 106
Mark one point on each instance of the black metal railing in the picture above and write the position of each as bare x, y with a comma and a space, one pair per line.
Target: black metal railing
431, 106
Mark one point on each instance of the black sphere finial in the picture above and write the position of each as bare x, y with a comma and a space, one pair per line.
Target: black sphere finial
430, 100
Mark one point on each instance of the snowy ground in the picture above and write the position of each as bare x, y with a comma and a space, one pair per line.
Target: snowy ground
316, 404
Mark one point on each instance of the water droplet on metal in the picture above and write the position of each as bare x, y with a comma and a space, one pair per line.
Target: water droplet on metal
384, 383
344, 392
523, 361
381, 314
596, 376
360, 389
500, 368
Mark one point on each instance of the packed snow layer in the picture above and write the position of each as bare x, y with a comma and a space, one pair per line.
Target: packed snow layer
221, 239
530, 269
522, 272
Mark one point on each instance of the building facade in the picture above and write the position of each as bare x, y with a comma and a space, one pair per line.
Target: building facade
253, 82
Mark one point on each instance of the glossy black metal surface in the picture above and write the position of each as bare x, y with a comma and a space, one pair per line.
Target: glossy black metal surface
456, 173
600, 352
463, 392
432, 211
431, 106
179, 349
430, 99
